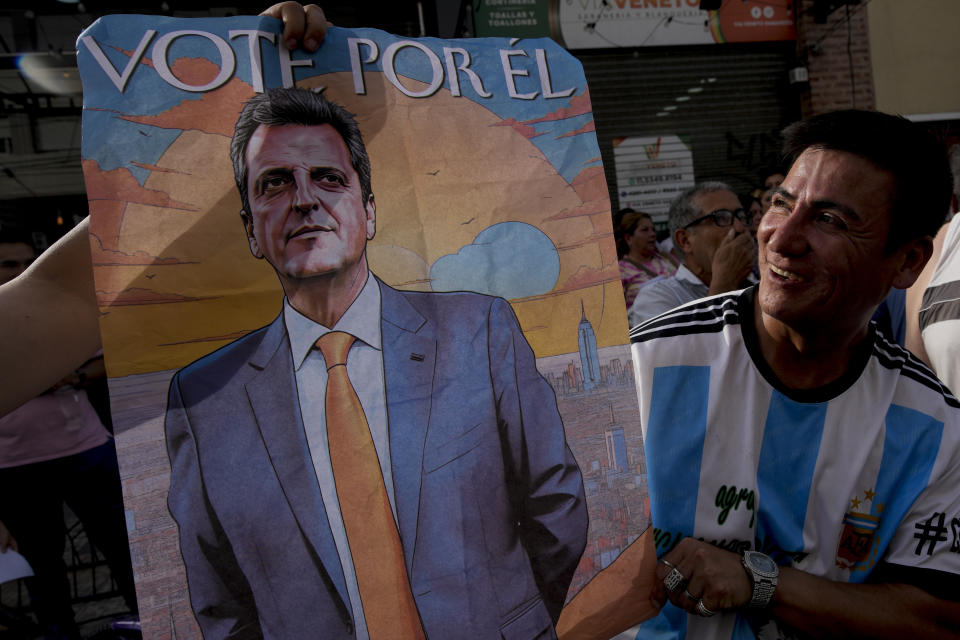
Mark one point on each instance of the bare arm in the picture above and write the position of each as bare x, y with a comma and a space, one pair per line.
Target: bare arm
615, 599
48, 319
824, 608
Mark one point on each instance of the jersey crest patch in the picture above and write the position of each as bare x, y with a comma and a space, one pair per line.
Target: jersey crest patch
857, 550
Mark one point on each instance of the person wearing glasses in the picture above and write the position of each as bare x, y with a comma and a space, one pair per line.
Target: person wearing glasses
708, 226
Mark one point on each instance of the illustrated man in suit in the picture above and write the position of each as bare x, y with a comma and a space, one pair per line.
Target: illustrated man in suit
422, 489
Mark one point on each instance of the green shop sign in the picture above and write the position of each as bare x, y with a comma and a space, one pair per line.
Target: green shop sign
512, 18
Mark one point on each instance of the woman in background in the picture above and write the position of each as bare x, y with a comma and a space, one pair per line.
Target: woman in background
640, 258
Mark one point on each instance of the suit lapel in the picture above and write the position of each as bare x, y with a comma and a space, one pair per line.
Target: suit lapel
409, 357
276, 408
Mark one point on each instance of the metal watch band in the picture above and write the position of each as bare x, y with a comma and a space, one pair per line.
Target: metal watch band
762, 593
763, 581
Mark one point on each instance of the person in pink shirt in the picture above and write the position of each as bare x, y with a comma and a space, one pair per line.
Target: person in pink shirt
640, 258
55, 450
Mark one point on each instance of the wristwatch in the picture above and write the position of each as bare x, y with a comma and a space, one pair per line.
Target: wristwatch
763, 572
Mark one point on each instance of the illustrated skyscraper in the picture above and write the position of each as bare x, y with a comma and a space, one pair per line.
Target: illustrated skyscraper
589, 359
616, 449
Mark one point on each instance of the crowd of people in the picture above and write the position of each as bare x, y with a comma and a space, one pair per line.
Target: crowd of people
799, 296
710, 235
708, 247
753, 399
803, 467
669, 277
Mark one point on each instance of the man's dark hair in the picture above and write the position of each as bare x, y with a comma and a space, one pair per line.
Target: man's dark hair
917, 161
278, 107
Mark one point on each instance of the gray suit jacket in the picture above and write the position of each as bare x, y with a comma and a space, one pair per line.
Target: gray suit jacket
489, 498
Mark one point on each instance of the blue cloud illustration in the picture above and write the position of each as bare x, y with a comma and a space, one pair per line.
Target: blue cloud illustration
509, 259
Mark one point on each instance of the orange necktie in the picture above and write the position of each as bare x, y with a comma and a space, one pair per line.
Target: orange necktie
388, 604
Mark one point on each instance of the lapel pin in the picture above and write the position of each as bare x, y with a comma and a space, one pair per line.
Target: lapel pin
416, 357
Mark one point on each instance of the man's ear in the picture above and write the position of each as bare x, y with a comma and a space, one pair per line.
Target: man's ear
248, 227
911, 258
371, 209
681, 239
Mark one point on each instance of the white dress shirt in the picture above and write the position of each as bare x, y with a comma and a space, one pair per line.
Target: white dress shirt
662, 294
365, 369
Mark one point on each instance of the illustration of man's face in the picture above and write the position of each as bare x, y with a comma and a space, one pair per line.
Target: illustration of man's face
307, 216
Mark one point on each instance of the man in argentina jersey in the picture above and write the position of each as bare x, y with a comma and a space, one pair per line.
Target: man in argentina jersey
777, 420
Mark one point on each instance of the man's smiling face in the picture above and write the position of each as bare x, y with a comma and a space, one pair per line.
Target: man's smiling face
307, 216
822, 242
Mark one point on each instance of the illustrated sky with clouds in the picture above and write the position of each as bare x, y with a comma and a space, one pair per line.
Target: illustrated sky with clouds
497, 194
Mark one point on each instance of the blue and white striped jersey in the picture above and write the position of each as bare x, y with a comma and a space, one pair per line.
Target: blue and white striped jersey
856, 481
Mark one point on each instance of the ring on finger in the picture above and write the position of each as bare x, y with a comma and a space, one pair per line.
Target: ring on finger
690, 596
674, 580
669, 564
703, 611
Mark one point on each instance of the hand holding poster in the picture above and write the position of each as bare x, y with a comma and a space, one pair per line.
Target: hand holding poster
400, 196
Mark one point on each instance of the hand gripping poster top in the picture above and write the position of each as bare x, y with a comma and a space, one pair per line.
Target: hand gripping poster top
431, 214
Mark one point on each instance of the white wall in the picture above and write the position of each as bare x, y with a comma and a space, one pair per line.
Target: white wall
915, 49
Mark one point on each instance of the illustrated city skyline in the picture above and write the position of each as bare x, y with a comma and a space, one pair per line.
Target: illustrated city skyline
598, 403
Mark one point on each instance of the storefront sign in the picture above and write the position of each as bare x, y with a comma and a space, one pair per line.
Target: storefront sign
592, 24
512, 18
651, 171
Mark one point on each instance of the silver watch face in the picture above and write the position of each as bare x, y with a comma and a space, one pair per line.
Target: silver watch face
761, 562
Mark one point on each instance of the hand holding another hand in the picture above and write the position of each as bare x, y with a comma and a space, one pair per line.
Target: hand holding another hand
710, 579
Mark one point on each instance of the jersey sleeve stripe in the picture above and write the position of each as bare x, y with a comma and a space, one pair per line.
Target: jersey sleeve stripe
894, 356
703, 316
940, 302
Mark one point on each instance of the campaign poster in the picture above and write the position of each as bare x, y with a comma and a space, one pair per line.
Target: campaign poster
461, 241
